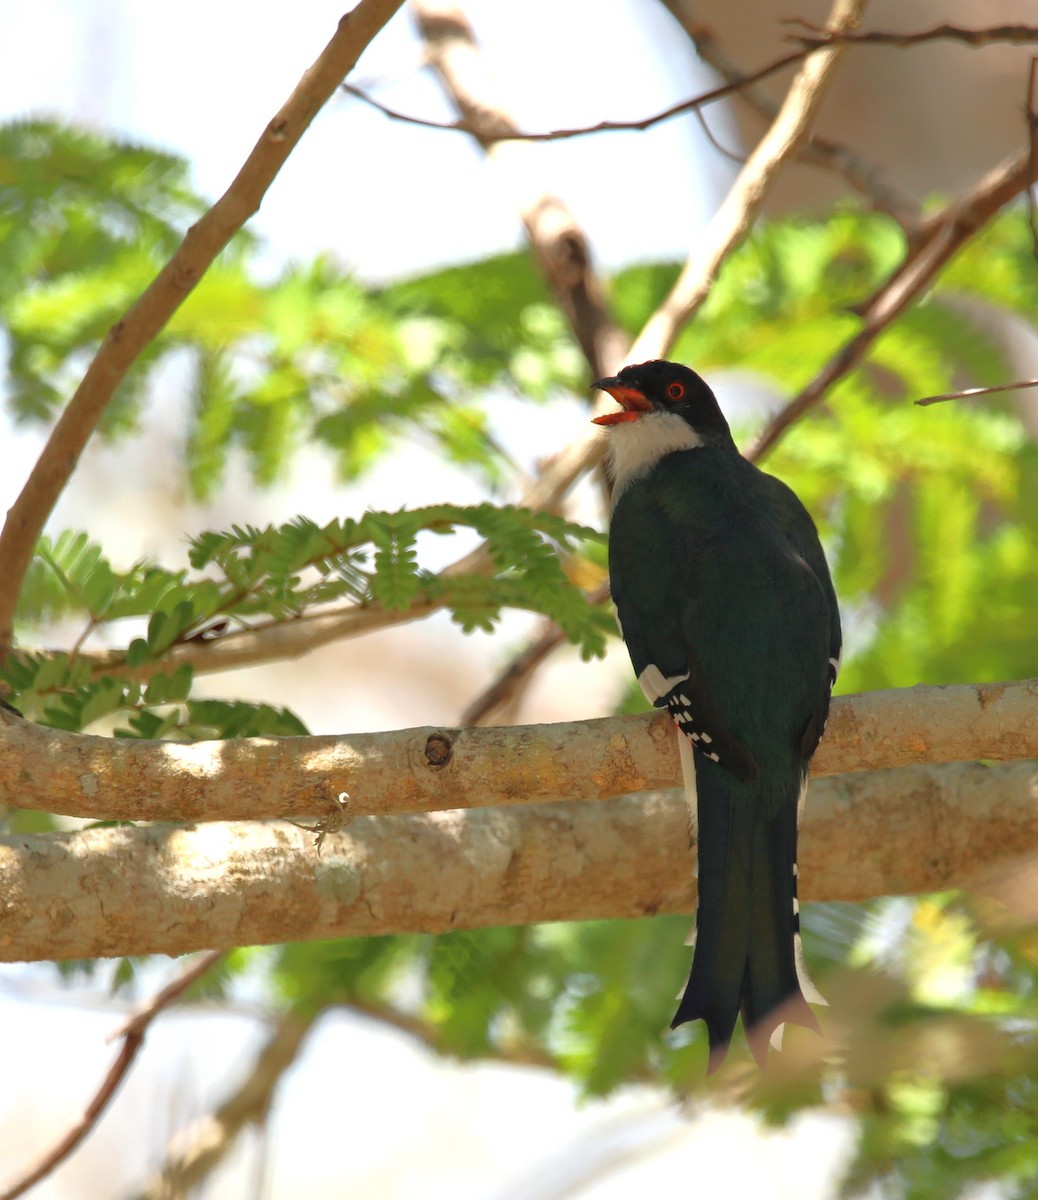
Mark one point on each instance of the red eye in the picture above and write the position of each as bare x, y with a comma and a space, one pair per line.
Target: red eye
675, 391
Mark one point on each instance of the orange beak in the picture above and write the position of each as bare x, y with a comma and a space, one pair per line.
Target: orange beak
633, 403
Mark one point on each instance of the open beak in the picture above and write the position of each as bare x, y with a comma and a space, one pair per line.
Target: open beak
633, 403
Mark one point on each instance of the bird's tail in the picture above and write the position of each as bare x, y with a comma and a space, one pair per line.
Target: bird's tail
747, 955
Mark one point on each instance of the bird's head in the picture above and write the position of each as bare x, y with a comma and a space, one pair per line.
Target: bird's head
651, 390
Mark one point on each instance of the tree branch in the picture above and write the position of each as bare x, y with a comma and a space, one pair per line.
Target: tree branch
508, 132
195, 1152
269, 641
864, 177
940, 239
132, 1034
143, 321
111, 891
426, 770
823, 36
734, 218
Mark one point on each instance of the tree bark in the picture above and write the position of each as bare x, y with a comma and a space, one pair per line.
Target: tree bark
164, 889
426, 770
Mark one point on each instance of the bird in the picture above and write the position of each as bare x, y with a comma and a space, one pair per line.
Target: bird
724, 598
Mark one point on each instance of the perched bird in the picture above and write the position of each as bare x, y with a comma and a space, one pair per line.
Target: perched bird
724, 599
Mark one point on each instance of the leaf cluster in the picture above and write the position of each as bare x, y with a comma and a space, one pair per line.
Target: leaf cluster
248, 578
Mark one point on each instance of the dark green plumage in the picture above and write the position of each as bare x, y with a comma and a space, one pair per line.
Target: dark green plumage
717, 573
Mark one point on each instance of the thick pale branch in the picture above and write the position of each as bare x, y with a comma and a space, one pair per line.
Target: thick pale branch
425, 770
140, 324
116, 891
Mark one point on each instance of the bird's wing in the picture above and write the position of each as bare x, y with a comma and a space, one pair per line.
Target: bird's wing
665, 660
800, 530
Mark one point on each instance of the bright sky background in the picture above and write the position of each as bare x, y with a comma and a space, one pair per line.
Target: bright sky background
365, 1108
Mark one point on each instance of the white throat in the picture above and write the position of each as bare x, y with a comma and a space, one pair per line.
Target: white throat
635, 447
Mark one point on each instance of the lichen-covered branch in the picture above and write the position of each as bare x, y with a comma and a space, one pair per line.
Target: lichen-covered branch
116, 891
424, 770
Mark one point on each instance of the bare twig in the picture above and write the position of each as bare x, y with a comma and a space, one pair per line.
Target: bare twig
944, 236
509, 133
196, 1151
231, 884
967, 393
865, 177
143, 321
560, 246
132, 1034
824, 36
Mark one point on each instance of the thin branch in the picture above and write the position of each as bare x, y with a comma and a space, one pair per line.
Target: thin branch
865, 177
968, 393
142, 322
1017, 34
944, 236
231, 884
1014, 34
132, 1034
424, 770
509, 133
267, 641
195, 1152
560, 246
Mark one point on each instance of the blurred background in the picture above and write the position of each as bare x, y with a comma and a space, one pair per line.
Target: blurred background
932, 536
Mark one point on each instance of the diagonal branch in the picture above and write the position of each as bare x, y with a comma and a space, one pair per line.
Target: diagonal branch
143, 321
822, 36
132, 1034
862, 176
942, 236
195, 1152
743, 203
424, 770
231, 884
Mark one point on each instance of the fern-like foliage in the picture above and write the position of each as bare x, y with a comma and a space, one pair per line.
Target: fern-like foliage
248, 576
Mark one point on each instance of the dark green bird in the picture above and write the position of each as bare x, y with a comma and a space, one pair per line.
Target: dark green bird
724, 599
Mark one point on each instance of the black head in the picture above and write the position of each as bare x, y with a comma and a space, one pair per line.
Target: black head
659, 386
